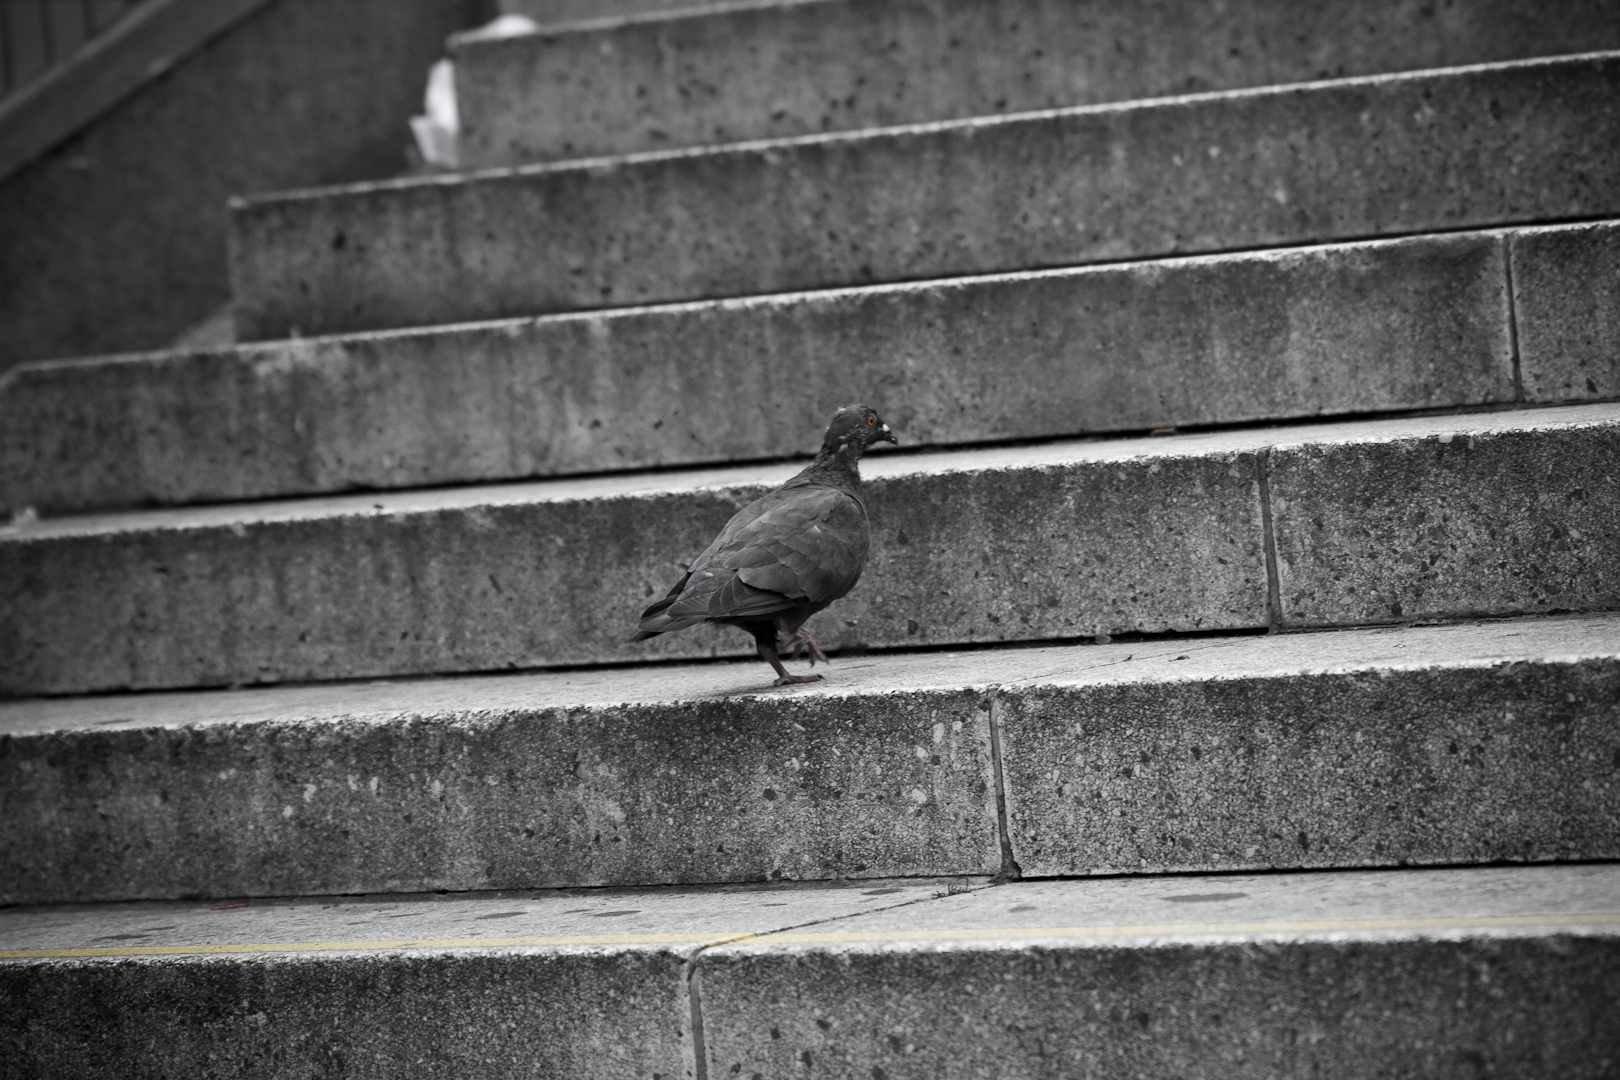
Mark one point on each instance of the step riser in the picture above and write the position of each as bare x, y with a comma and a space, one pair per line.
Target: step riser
1479, 764
1490, 515
701, 792
1355, 1009
1451, 763
1375, 327
588, 1013
1519, 1006
799, 69
1338, 161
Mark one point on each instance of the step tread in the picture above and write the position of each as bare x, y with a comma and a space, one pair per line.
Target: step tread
676, 920
882, 465
874, 914
1555, 639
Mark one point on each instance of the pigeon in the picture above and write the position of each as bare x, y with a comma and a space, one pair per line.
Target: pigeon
784, 557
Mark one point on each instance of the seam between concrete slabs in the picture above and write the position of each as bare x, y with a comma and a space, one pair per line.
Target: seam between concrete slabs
1274, 611
1512, 305
969, 124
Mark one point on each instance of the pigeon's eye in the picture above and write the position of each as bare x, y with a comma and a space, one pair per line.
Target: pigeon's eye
870, 420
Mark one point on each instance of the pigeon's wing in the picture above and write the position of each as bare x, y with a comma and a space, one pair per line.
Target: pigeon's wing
792, 547
808, 546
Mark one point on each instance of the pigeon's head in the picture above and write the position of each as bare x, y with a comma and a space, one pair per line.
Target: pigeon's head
855, 427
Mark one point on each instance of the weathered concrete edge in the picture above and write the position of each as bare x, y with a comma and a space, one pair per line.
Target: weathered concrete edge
262, 441
315, 741
586, 165
330, 259
1010, 483
488, 98
1537, 948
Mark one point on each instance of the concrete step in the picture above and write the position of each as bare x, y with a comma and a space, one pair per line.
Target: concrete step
1371, 327
775, 70
1519, 143
1445, 744
1380, 521
1493, 971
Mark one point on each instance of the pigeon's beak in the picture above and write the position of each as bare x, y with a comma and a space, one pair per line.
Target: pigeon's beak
885, 435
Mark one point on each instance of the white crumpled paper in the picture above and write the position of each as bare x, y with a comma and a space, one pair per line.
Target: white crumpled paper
438, 131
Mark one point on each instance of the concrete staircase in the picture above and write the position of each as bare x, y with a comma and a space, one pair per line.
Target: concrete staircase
1234, 689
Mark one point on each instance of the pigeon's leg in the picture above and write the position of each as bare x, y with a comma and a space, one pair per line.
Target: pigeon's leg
800, 643
768, 654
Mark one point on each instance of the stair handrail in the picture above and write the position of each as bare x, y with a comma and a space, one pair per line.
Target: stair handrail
106, 69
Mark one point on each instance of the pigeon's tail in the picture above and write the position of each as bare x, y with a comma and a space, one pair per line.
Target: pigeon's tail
654, 621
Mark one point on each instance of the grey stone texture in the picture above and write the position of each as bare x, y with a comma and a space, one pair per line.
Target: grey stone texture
704, 790
1365, 327
115, 239
757, 71
1415, 973
1380, 766
1383, 156
1496, 513
1460, 743
603, 1012
1376, 521
987, 545
1433, 1008
1440, 969
1566, 283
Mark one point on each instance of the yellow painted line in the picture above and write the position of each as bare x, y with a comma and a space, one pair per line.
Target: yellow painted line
1481, 922
767, 938
710, 938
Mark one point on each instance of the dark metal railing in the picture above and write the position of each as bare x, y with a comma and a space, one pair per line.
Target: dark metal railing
37, 35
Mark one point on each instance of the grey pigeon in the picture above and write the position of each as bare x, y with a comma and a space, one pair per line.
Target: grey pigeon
784, 557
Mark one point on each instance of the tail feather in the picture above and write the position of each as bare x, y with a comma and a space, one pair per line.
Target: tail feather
654, 621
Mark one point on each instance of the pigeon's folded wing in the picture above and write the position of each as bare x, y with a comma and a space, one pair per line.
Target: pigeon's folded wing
794, 546
810, 546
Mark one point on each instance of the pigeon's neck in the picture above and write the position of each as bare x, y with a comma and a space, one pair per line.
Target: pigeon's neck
836, 466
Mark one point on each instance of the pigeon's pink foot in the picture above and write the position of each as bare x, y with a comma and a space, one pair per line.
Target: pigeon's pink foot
801, 643
768, 654
786, 680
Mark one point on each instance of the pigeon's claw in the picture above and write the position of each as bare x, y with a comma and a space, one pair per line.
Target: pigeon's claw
802, 644
786, 680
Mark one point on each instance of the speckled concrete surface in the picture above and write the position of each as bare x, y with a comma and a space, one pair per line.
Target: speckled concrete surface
1565, 280
1510, 969
1449, 764
1383, 156
986, 545
588, 983
729, 790
1480, 516
935, 992
692, 773
1068, 539
1352, 328
767, 70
